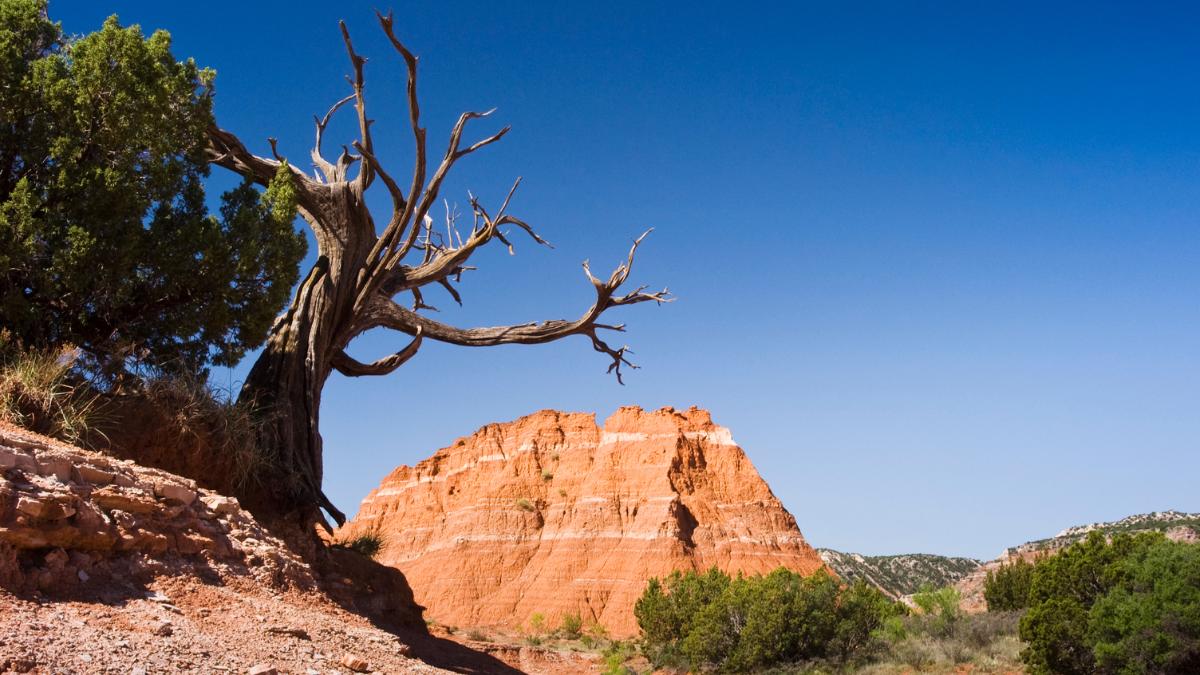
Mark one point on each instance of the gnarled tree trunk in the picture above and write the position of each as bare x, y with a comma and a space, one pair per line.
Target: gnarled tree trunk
358, 275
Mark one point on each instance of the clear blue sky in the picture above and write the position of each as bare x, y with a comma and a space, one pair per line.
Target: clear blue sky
938, 265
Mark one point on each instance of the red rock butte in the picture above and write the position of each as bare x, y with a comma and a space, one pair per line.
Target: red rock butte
551, 514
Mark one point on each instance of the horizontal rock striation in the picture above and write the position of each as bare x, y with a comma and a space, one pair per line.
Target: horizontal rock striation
551, 514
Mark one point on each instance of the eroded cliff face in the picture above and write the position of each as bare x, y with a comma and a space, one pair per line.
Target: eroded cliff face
552, 514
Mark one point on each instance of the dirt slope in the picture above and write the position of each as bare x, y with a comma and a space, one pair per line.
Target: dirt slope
106, 566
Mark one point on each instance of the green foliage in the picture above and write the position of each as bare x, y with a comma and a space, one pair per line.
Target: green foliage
615, 657
105, 239
525, 505
547, 475
712, 621
537, 623
1129, 605
594, 635
369, 544
570, 626
1007, 588
919, 642
940, 607
1150, 622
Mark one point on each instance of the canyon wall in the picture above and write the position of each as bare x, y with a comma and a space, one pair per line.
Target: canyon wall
552, 514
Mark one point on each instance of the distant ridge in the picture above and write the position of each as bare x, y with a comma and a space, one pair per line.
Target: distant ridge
1177, 525
900, 575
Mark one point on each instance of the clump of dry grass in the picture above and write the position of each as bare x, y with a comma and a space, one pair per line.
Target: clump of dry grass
230, 428
40, 391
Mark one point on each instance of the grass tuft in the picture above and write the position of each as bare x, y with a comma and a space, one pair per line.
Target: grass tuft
39, 391
369, 544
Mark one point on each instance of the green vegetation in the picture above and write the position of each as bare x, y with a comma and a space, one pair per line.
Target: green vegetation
939, 608
594, 635
1129, 605
369, 544
930, 643
1006, 589
537, 623
710, 621
106, 241
570, 626
615, 657
547, 475
525, 505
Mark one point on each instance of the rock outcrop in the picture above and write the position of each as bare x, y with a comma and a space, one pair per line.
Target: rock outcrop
551, 514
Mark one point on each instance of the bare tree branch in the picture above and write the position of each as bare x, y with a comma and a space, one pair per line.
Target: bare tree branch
451, 261
318, 159
401, 217
226, 150
384, 312
350, 367
366, 173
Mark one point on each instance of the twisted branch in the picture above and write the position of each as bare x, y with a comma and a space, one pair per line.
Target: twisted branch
385, 312
350, 367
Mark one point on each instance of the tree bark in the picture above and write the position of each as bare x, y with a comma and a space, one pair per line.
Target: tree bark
284, 387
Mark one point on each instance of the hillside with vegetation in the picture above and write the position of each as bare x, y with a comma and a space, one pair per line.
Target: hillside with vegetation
899, 575
1175, 524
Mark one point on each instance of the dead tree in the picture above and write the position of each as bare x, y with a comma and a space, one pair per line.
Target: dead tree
367, 278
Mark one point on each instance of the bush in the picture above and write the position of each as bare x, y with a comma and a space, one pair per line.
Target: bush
525, 504
1007, 588
1150, 622
570, 626
939, 608
547, 475
711, 621
537, 623
594, 635
369, 544
1131, 605
615, 657
920, 642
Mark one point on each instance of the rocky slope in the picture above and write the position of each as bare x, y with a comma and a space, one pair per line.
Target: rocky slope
899, 575
552, 514
1176, 525
108, 566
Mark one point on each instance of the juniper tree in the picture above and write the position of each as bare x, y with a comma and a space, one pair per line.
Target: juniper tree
105, 239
